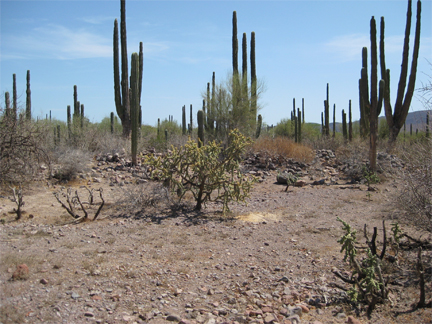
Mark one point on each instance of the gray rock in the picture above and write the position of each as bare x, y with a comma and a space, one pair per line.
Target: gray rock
173, 318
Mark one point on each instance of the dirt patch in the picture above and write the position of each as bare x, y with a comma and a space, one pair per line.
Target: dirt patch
169, 262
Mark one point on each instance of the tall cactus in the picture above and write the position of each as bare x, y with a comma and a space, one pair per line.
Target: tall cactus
82, 116
350, 128
334, 120
364, 96
14, 98
299, 126
121, 87
200, 118
303, 111
7, 104
69, 126
191, 120
327, 113
234, 44
134, 105
112, 122
374, 104
244, 67
427, 124
396, 120
344, 125
184, 120
253, 108
28, 97
259, 126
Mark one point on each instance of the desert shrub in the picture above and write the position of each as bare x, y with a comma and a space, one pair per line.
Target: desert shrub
205, 170
416, 197
21, 149
282, 147
70, 162
143, 195
309, 132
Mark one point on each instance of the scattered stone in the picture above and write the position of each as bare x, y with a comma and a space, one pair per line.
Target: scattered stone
352, 320
300, 183
173, 318
89, 314
74, 295
304, 308
21, 272
318, 182
44, 281
295, 319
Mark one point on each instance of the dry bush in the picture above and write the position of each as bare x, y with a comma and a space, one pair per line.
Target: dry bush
21, 150
283, 147
416, 197
148, 194
70, 162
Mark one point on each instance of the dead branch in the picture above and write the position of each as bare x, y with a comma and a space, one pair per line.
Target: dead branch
384, 242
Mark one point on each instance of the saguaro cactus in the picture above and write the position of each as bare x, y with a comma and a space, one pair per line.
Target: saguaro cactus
28, 97
327, 113
134, 105
350, 129
121, 88
396, 120
299, 126
82, 115
191, 120
427, 124
69, 121
76, 104
7, 104
259, 125
112, 122
234, 44
200, 118
14, 98
334, 120
253, 107
344, 125
184, 120
374, 104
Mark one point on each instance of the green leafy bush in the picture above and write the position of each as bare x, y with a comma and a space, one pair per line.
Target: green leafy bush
205, 170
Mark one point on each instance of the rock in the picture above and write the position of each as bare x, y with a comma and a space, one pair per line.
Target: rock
74, 295
341, 315
318, 182
304, 308
270, 318
296, 310
295, 319
352, 320
267, 309
173, 318
44, 281
21, 272
89, 314
300, 183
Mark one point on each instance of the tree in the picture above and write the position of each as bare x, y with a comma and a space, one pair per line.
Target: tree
201, 171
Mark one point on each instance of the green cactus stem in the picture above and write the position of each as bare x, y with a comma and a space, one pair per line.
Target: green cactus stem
134, 105
28, 97
69, 122
259, 126
14, 98
200, 118
184, 120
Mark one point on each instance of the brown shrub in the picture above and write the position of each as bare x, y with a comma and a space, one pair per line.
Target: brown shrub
283, 147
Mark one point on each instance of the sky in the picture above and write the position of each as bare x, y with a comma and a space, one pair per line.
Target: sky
300, 47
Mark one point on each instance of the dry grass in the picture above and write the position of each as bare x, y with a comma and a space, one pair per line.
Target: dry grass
283, 147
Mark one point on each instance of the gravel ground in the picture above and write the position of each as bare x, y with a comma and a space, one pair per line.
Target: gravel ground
270, 262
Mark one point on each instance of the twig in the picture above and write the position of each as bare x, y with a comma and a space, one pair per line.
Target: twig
384, 241
101, 205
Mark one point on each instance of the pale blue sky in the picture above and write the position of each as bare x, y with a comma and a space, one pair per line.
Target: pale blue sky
300, 47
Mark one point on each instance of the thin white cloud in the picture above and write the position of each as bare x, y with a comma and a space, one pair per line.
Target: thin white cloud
58, 42
97, 20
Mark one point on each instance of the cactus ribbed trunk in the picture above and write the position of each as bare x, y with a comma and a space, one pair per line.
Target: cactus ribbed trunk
374, 104
213, 102
76, 105
121, 86
28, 97
254, 103
244, 67
334, 120
14, 98
112, 122
327, 113
7, 104
191, 120
259, 125
427, 124
200, 118
134, 105
396, 120
350, 129
299, 127
82, 116
364, 96
303, 112
234, 44
184, 120
69, 121
208, 116
344, 125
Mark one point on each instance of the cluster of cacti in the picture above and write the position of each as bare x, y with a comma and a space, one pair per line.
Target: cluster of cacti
13, 111
121, 87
